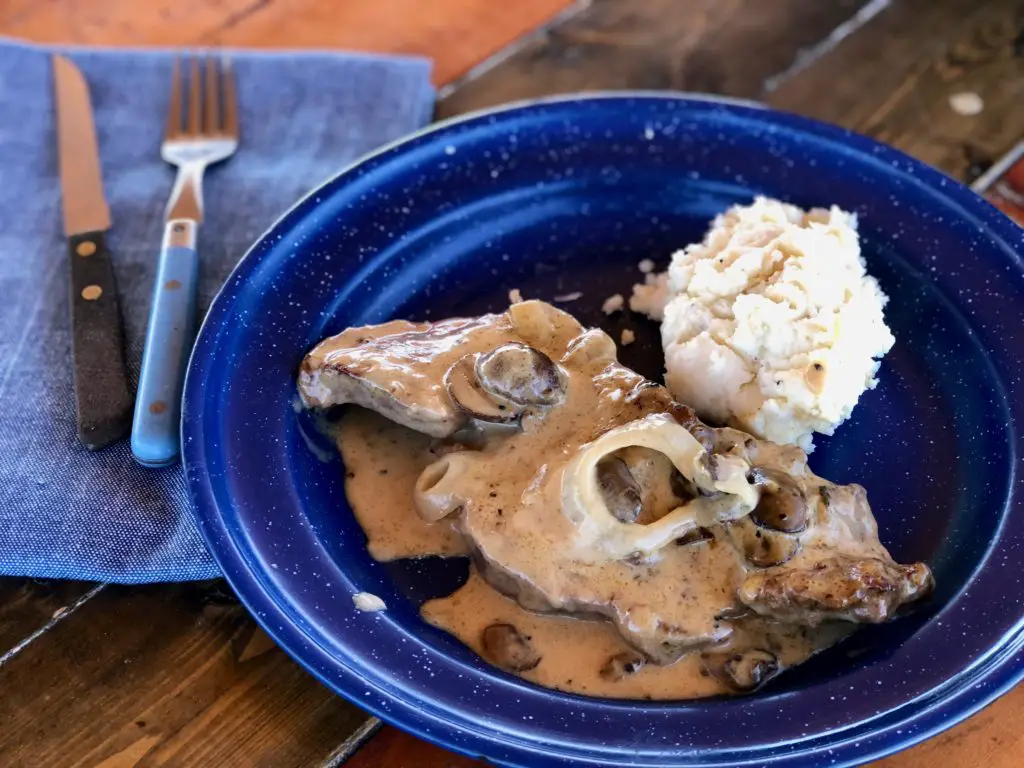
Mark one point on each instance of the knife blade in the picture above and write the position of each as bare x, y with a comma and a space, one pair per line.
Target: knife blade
103, 399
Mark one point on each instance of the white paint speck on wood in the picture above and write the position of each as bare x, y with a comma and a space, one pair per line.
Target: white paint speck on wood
966, 103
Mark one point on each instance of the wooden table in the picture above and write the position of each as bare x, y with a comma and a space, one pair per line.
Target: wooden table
179, 675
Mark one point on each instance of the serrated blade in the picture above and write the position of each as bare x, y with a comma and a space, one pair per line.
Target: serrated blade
85, 207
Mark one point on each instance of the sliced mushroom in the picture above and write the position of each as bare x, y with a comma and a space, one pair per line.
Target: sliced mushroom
508, 648
782, 506
682, 486
762, 547
710, 463
638, 559
471, 437
825, 492
742, 670
705, 435
520, 374
734, 612
752, 449
694, 536
620, 490
655, 478
469, 397
622, 665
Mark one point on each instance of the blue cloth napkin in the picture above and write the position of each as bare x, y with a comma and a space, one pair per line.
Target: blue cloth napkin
66, 512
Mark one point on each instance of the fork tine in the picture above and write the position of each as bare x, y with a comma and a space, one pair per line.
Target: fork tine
211, 112
230, 121
174, 110
194, 91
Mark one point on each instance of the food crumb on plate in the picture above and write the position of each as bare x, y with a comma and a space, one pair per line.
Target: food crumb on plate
569, 296
651, 297
646, 266
514, 296
613, 304
627, 337
368, 603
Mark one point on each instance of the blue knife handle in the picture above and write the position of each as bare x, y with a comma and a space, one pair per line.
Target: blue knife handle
156, 440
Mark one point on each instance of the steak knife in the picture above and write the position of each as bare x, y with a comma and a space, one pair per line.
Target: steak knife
103, 399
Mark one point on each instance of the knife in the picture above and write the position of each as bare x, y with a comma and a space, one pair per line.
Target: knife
103, 398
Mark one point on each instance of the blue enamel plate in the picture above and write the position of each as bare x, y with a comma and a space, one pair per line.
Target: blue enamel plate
567, 195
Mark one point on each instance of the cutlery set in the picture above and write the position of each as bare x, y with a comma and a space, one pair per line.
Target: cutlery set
202, 129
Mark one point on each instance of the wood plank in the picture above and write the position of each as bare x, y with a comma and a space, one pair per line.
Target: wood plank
1003, 184
728, 46
457, 34
122, 22
164, 675
894, 79
395, 749
13, 11
29, 605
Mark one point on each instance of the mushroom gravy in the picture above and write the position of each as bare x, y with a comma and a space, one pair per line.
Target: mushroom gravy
639, 552
383, 459
382, 462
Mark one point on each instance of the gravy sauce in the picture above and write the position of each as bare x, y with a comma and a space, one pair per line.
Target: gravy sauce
678, 603
382, 461
573, 650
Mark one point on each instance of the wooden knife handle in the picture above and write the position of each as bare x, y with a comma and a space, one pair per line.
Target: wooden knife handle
102, 395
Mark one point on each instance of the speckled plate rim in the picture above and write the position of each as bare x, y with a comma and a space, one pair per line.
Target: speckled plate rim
957, 698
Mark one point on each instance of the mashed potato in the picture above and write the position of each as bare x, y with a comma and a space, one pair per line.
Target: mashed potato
771, 324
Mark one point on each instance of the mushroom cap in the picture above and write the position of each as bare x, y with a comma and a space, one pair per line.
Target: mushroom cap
782, 506
622, 665
742, 670
762, 547
520, 374
620, 490
469, 397
508, 648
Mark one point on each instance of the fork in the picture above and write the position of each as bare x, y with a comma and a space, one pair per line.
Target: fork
199, 133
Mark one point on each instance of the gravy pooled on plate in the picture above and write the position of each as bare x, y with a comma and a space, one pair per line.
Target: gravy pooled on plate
620, 547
